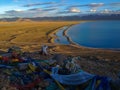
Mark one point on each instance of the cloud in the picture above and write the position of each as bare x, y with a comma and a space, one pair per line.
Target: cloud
93, 10
37, 4
106, 11
49, 9
74, 10
115, 4
95, 5
70, 11
34, 12
42, 9
58, 8
91, 5
35, 9
12, 12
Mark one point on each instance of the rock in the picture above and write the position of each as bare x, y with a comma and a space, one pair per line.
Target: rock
59, 58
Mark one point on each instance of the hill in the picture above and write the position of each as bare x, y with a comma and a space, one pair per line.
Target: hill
68, 18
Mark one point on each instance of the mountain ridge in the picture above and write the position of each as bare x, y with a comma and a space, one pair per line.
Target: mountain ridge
68, 18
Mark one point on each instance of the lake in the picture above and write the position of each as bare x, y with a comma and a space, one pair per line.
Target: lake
96, 34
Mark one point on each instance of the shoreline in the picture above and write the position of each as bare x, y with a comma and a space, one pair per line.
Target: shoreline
67, 37
52, 36
72, 43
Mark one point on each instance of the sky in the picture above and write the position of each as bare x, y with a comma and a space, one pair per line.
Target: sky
51, 8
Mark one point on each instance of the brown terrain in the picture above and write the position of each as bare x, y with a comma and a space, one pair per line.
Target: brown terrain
30, 36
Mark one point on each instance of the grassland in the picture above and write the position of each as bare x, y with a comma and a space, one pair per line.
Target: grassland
22, 33
31, 35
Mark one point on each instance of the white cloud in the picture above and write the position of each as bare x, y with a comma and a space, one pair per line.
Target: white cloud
74, 10
18, 10
106, 11
93, 10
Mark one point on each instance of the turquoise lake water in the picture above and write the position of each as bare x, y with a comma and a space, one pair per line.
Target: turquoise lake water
97, 34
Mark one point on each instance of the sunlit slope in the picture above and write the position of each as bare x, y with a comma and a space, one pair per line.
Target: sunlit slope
28, 31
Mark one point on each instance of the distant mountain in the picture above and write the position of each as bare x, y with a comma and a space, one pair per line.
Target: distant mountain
23, 19
68, 18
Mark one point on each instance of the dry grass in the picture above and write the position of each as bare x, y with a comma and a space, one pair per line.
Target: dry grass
27, 32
